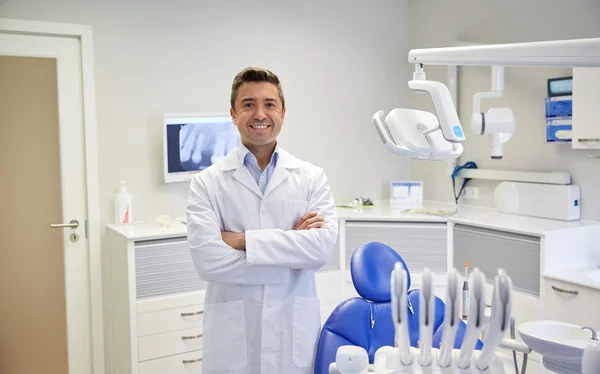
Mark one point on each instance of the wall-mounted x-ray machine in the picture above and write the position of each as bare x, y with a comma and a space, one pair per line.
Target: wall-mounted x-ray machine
423, 135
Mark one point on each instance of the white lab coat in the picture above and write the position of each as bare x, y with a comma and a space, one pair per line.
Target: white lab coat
261, 312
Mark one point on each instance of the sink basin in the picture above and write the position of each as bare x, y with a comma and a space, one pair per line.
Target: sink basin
594, 275
559, 341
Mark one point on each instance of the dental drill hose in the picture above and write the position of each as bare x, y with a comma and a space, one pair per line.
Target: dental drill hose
399, 283
500, 319
427, 313
451, 320
475, 321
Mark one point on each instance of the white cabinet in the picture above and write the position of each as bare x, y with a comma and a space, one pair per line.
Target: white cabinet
571, 303
586, 124
156, 301
489, 250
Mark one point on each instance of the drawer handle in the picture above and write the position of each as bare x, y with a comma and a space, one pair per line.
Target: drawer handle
191, 361
565, 291
191, 314
588, 140
191, 337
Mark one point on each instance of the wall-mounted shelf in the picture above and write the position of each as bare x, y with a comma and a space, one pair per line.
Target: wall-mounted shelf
517, 176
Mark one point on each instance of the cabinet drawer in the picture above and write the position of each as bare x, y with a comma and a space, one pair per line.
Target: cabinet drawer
153, 323
169, 302
579, 309
187, 363
171, 343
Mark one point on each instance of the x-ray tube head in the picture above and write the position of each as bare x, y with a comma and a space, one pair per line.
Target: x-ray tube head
444, 108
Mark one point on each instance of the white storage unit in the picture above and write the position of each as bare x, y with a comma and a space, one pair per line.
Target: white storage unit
156, 300
488, 250
572, 303
156, 303
586, 127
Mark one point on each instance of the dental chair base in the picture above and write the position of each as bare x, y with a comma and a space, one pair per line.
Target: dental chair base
388, 361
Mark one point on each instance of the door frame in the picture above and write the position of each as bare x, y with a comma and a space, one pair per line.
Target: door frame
84, 34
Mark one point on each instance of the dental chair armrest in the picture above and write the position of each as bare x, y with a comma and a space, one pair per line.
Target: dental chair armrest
515, 345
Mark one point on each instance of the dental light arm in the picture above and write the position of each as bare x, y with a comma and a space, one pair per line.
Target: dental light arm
444, 108
557, 53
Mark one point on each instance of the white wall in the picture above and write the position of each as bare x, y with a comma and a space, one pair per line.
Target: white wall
338, 64
439, 23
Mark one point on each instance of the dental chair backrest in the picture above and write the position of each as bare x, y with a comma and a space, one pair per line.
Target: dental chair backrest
366, 321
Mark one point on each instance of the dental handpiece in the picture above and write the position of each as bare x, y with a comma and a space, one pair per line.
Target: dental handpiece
426, 315
451, 320
476, 319
465, 292
399, 283
500, 318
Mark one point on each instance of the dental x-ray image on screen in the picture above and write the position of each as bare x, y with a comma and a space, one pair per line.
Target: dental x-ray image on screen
194, 143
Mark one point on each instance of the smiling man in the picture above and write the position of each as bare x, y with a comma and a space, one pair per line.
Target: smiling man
260, 223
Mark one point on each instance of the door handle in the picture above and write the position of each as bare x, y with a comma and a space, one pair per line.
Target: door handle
73, 224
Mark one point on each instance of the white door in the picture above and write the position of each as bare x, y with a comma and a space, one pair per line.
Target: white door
45, 312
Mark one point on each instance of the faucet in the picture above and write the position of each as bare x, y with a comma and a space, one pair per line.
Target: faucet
594, 332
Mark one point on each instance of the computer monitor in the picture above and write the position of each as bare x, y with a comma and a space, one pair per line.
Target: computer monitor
194, 141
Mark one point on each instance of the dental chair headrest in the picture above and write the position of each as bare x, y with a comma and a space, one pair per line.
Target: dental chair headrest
371, 267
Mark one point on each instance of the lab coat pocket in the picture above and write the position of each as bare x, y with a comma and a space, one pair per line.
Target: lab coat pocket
292, 211
306, 328
225, 346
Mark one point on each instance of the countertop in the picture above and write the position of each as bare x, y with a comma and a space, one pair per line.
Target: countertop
470, 215
428, 211
577, 275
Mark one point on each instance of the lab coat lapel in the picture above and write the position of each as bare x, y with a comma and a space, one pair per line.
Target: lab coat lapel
241, 174
279, 175
281, 170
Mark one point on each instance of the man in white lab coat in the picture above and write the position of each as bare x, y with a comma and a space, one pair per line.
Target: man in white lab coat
260, 223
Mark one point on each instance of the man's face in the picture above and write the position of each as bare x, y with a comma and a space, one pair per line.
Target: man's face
258, 113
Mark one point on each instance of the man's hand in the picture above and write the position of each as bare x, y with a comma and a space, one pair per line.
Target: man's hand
310, 221
236, 240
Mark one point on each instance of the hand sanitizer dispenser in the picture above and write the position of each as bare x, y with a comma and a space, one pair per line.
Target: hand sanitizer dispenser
123, 209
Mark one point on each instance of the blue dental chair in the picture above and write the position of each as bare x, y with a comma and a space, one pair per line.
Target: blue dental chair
366, 321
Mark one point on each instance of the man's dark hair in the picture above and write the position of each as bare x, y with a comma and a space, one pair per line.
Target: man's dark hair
253, 74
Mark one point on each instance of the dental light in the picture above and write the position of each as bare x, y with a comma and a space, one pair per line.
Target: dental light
423, 135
